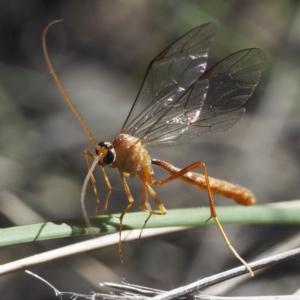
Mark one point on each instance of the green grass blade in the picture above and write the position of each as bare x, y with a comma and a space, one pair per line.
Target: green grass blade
193, 217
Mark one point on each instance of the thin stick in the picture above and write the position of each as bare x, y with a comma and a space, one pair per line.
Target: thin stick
208, 281
284, 245
128, 291
82, 247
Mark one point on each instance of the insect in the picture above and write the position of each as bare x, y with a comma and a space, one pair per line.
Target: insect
179, 100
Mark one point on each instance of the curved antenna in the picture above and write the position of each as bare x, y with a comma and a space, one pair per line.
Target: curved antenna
63, 92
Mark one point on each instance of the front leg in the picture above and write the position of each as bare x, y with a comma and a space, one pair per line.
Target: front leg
93, 180
130, 200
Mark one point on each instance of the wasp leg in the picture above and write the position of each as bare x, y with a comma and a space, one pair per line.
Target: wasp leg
218, 187
130, 200
144, 197
93, 180
161, 207
213, 213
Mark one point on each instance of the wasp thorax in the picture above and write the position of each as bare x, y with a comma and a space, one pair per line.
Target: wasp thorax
106, 152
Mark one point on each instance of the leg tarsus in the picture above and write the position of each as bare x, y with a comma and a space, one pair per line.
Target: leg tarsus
209, 219
152, 212
231, 247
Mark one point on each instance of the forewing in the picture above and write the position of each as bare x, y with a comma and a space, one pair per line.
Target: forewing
213, 103
169, 76
232, 80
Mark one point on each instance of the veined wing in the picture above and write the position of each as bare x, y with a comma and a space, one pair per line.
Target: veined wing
211, 104
169, 76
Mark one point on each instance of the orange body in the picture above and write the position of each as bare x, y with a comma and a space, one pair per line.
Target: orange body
179, 101
218, 187
132, 158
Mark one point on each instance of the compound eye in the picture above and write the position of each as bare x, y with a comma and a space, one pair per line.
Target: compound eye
108, 153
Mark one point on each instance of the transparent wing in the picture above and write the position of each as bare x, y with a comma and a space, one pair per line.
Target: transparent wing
169, 76
211, 104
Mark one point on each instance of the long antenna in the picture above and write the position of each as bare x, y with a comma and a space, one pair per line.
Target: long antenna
52, 72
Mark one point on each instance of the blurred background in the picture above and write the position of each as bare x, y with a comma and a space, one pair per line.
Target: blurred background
101, 53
